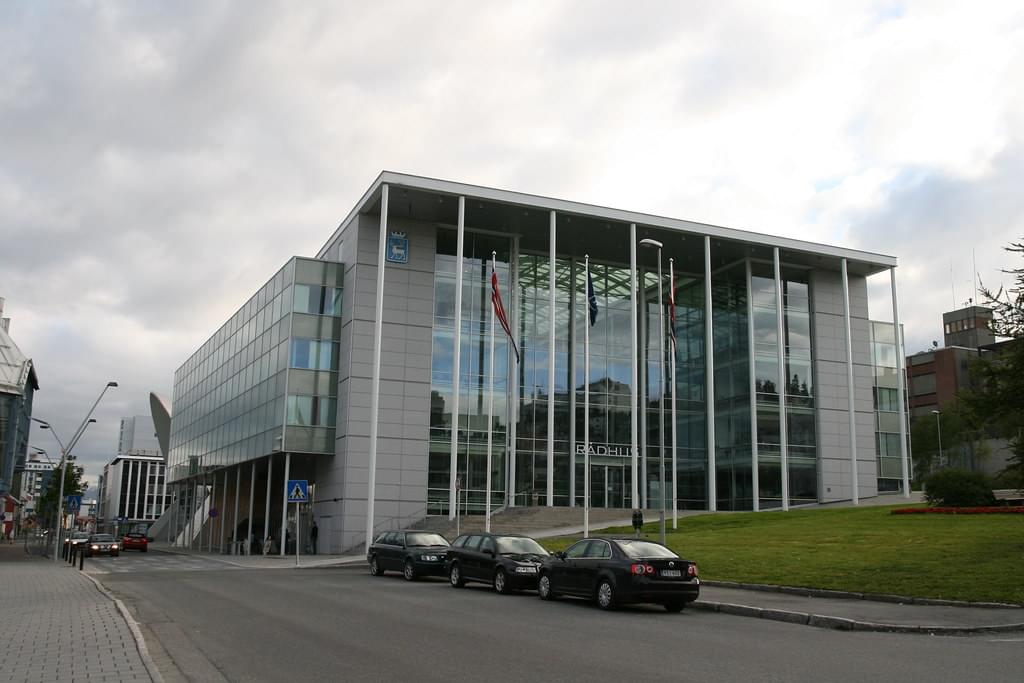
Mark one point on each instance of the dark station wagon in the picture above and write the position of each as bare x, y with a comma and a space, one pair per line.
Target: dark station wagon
616, 571
414, 553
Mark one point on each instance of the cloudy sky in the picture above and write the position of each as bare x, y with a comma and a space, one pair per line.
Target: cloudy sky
158, 161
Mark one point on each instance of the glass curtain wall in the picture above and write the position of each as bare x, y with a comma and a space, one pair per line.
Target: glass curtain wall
473, 375
691, 383
733, 448
610, 407
802, 454
533, 294
887, 417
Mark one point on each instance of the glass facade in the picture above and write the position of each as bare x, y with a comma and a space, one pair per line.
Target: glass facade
610, 408
267, 380
887, 416
474, 368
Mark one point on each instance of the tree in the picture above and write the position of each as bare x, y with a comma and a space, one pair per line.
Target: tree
46, 507
962, 439
998, 395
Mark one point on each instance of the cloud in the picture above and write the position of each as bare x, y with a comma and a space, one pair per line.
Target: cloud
161, 162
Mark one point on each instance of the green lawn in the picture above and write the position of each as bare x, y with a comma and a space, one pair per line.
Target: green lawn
960, 557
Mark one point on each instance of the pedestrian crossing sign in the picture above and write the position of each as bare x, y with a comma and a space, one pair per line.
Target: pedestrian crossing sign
298, 491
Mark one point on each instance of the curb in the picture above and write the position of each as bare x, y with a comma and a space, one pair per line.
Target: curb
133, 626
842, 624
852, 595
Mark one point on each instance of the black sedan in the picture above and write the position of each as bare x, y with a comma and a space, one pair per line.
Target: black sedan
101, 544
617, 571
414, 553
507, 562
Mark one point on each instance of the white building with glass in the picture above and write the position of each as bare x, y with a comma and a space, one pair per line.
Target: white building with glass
324, 375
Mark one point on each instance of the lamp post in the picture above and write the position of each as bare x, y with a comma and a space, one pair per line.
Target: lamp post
655, 244
66, 456
938, 427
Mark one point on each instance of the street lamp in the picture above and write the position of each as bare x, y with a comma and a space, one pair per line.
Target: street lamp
938, 427
655, 244
66, 456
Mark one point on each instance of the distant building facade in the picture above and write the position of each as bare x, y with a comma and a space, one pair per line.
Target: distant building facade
18, 385
133, 487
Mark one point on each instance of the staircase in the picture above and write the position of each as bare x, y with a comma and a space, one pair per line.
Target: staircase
530, 520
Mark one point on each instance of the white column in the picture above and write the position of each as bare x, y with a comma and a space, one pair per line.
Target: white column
551, 365
783, 379
490, 408
586, 400
634, 383
900, 359
284, 499
213, 503
143, 491
223, 510
644, 387
709, 361
266, 510
457, 371
755, 483
850, 393
162, 469
238, 487
672, 379
252, 496
378, 335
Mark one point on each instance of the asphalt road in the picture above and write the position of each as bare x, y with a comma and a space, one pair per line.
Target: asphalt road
208, 623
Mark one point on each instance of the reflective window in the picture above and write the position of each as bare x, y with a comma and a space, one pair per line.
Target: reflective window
314, 354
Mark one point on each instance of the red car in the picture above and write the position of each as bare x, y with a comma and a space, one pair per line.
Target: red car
135, 541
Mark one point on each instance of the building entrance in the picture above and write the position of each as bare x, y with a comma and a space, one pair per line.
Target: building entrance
610, 486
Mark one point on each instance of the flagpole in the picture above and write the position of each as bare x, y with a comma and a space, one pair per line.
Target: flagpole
586, 405
672, 368
490, 402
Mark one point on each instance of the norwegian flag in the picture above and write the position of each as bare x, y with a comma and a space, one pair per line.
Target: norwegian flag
672, 307
499, 311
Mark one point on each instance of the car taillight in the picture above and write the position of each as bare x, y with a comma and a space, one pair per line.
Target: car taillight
692, 570
641, 569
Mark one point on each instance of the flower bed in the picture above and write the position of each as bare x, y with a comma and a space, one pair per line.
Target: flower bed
988, 510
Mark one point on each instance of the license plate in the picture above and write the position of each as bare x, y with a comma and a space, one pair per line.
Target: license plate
671, 573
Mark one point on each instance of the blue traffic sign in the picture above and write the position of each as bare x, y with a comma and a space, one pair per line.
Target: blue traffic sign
74, 504
298, 491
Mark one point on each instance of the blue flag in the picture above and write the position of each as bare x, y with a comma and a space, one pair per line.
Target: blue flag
591, 299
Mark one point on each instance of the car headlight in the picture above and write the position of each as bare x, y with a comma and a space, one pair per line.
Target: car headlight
113, 547
95, 547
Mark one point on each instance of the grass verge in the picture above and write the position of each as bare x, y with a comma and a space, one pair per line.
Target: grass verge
956, 557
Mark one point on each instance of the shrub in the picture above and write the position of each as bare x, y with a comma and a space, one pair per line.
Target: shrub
958, 488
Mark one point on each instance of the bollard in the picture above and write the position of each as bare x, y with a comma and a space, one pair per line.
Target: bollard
81, 561
70, 554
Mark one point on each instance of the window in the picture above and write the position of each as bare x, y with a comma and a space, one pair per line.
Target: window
487, 545
314, 354
577, 550
472, 543
598, 549
317, 300
312, 411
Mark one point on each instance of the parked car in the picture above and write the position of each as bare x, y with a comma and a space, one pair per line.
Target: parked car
135, 541
506, 561
617, 571
414, 553
76, 537
101, 544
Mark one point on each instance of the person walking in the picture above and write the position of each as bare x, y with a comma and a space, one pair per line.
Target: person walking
314, 533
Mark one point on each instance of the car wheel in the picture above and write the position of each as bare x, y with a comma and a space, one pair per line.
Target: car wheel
674, 606
605, 595
544, 588
375, 569
501, 584
409, 572
455, 576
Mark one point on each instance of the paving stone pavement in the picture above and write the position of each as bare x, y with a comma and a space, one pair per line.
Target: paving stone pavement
56, 625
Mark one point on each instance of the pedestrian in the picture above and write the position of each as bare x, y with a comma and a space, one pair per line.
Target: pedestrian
314, 533
288, 541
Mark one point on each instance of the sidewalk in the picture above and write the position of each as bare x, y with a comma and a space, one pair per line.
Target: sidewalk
261, 562
56, 624
854, 614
